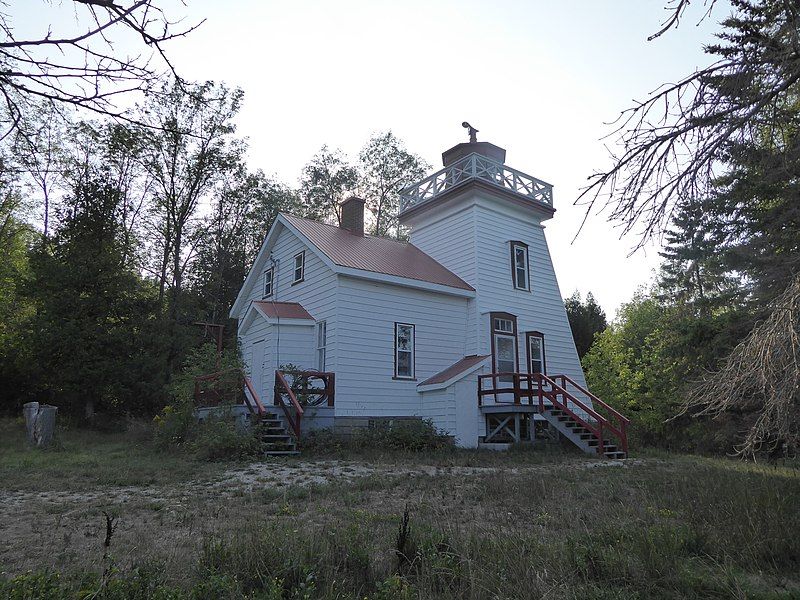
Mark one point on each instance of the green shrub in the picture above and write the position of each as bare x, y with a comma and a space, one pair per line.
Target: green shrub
203, 360
405, 434
409, 435
214, 438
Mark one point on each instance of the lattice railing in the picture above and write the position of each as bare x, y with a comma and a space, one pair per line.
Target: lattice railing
475, 166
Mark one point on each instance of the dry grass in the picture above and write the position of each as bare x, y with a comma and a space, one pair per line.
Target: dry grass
555, 527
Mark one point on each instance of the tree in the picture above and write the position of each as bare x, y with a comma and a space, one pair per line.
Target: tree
38, 147
676, 143
760, 378
189, 150
728, 133
385, 168
242, 213
586, 320
83, 65
326, 181
91, 319
757, 206
694, 272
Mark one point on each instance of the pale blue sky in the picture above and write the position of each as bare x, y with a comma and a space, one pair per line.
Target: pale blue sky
540, 78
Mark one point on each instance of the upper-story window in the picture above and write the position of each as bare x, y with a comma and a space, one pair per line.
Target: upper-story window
299, 267
519, 266
269, 276
404, 351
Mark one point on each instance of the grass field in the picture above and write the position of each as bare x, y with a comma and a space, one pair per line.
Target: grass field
526, 524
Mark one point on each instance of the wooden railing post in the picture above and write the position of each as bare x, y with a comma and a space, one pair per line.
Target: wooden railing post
331, 388
515, 379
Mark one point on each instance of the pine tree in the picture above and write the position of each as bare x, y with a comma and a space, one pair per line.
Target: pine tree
693, 272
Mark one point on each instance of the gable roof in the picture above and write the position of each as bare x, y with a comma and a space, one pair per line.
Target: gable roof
283, 310
459, 369
376, 254
364, 257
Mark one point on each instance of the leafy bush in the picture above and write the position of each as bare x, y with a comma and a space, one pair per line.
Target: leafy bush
213, 438
203, 361
410, 435
216, 437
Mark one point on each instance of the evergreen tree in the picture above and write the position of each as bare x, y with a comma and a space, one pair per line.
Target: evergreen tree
92, 313
693, 272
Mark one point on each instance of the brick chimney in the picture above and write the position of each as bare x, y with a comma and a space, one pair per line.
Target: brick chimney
353, 215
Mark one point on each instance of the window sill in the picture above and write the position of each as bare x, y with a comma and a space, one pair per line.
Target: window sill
396, 378
298, 281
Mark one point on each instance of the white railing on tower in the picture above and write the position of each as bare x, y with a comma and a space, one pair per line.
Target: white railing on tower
476, 166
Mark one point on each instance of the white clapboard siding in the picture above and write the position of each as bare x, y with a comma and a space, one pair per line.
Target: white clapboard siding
365, 361
317, 294
491, 223
440, 407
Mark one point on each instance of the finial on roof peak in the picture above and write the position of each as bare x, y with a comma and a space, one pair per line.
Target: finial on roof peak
473, 133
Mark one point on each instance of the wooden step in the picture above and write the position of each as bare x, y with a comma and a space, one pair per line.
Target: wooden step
281, 452
275, 437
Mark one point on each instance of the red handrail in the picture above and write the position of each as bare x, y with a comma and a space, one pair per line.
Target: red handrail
623, 420
595, 423
255, 405
325, 394
259, 406
594, 398
280, 382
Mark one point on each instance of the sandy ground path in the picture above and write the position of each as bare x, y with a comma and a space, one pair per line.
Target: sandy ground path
272, 474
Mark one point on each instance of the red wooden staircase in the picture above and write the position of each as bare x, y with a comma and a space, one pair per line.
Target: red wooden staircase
596, 429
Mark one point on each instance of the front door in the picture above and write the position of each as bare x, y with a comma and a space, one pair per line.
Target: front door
257, 369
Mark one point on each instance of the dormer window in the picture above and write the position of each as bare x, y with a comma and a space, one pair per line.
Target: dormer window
519, 266
269, 275
299, 267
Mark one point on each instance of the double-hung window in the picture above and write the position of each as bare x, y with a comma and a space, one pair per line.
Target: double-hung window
536, 360
403, 351
519, 266
269, 276
322, 342
299, 267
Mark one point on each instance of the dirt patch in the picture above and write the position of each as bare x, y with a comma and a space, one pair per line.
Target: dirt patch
261, 475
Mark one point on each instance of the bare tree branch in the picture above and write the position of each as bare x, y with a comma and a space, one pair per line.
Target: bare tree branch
674, 144
85, 68
761, 375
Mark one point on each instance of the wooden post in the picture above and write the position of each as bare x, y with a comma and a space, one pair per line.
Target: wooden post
331, 385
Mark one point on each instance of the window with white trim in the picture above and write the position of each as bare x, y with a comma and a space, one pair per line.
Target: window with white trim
299, 267
322, 342
403, 351
269, 276
519, 266
536, 362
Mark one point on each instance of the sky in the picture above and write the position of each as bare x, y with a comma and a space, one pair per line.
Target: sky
542, 79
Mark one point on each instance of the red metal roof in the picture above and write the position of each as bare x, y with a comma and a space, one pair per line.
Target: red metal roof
376, 254
283, 310
465, 364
